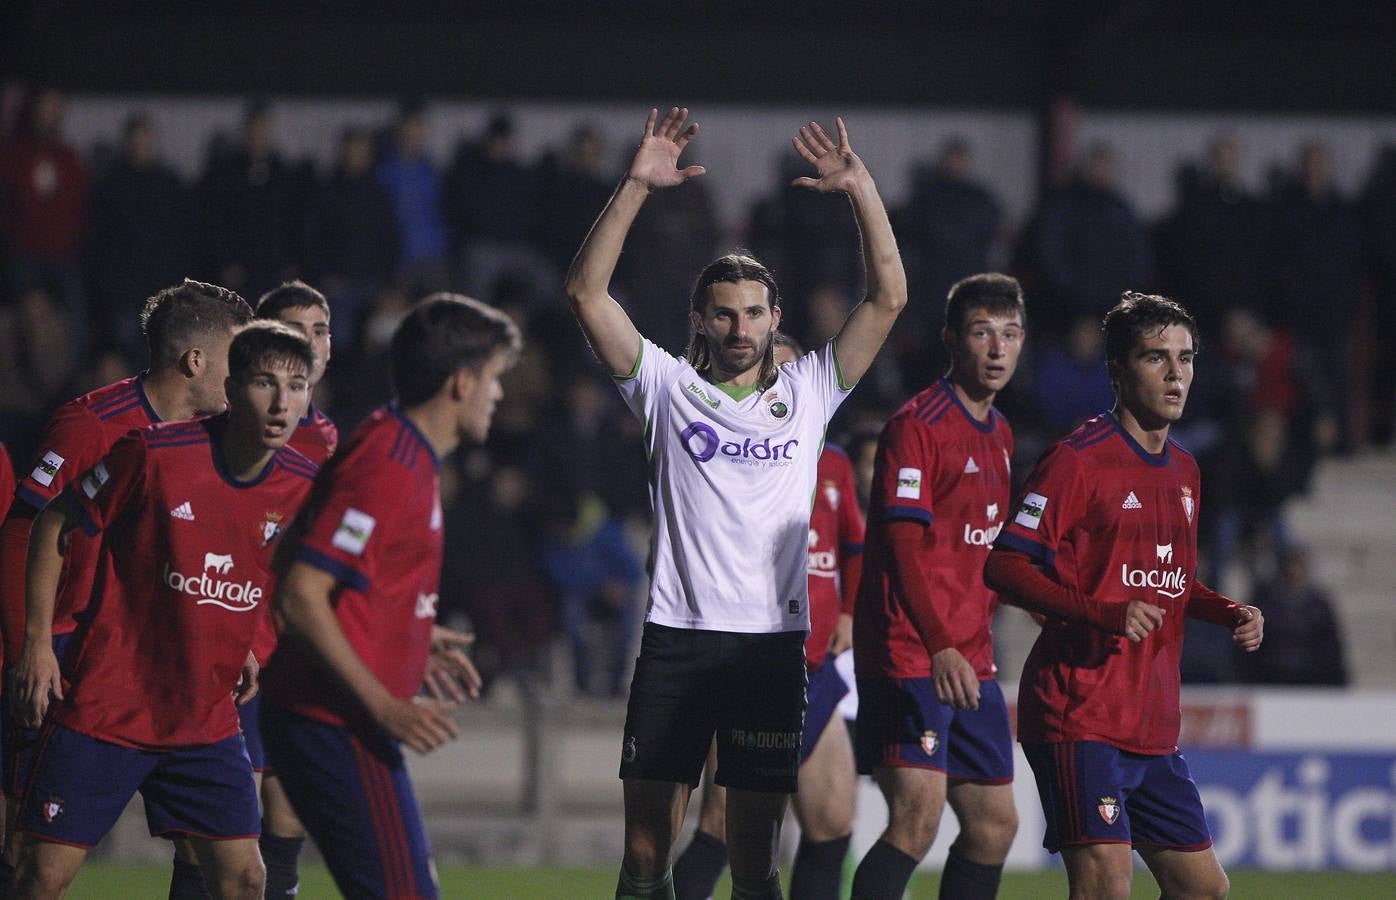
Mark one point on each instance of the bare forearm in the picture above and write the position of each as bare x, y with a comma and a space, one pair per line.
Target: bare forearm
886, 278
589, 278
311, 621
44, 566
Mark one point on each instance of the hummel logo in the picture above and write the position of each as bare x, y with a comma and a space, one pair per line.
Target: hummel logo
183, 511
971, 467
1131, 502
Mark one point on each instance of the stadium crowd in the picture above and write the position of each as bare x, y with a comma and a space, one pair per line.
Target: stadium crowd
1294, 288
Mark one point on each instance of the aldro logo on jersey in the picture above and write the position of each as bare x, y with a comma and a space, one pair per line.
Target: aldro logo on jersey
702, 443
211, 588
1165, 578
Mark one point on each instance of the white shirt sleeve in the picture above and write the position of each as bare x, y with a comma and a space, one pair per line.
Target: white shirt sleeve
818, 372
643, 388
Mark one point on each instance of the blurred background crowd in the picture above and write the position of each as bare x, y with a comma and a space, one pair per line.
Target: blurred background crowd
1294, 286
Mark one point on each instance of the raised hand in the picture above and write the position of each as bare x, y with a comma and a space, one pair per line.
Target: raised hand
656, 162
836, 166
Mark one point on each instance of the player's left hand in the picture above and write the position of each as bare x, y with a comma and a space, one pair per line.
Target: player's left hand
1249, 630
451, 677
836, 166
248, 685
842, 638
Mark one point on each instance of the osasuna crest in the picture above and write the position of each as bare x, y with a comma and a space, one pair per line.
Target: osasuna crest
831, 493
52, 809
929, 742
271, 528
1188, 506
1109, 809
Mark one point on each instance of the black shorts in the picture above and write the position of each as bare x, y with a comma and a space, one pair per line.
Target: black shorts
748, 689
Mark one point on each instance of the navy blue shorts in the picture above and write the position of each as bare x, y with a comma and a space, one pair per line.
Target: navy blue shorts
356, 800
80, 786
1093, 793
19, 742
902, 723
249, 716
826, 689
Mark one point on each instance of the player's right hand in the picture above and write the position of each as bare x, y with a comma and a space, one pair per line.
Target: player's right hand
420, 723
37, 677
954, 678
656, 162
1140, 619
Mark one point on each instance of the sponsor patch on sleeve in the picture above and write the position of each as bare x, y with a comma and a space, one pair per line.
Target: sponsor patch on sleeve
354, 531
1030, 513
909, 483
47, 469
94, 481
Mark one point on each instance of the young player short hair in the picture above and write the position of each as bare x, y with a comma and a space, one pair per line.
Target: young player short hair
268, 344
739, 265
1137, 315
182, 316
443, 334
993, 292
290, 295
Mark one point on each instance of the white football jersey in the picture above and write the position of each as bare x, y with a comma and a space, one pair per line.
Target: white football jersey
732, 484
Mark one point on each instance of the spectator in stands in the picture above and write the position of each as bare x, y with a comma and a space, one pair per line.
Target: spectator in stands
43, 192
1090, 245
1215, 246
248, 205
1303, 639
576, 185
139, 238
491, 198
948, 231
1319, 259
408, 173
352, 235
1070, 381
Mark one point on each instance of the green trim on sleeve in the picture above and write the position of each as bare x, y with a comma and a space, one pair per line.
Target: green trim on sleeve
838, 369
635, 369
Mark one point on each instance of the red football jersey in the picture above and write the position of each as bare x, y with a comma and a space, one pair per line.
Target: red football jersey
1105, 517
315, 436
77, 436
7, 481
375, 525
835, 543
937, 465
184, 579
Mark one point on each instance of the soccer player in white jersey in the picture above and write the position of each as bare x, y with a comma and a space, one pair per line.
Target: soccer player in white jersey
733, 443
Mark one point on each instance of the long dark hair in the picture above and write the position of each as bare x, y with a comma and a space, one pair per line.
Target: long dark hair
739, 265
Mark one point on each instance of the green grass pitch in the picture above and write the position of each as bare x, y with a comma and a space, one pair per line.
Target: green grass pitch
103, 881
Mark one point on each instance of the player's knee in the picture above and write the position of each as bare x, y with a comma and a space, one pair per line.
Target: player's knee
990, 834
247, 881
34, 880
1216, 887
913, 827
643, 856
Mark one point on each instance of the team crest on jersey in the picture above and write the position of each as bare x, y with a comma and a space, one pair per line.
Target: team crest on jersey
271, 528
1109, 809
778, 407
1188, 506
831, 493
47, 468
52, 809
930, 742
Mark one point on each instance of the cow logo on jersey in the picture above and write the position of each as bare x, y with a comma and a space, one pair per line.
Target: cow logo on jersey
703, 395
354, 531
1131, 502
1031, 510
52, 809
992, 513
47, 468
1170, 582
909, 483
627, 750
1188, 506
971, 467
93, 481
1109, 809
271, 528
822, 563
702, 443
211, 588
930, 742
